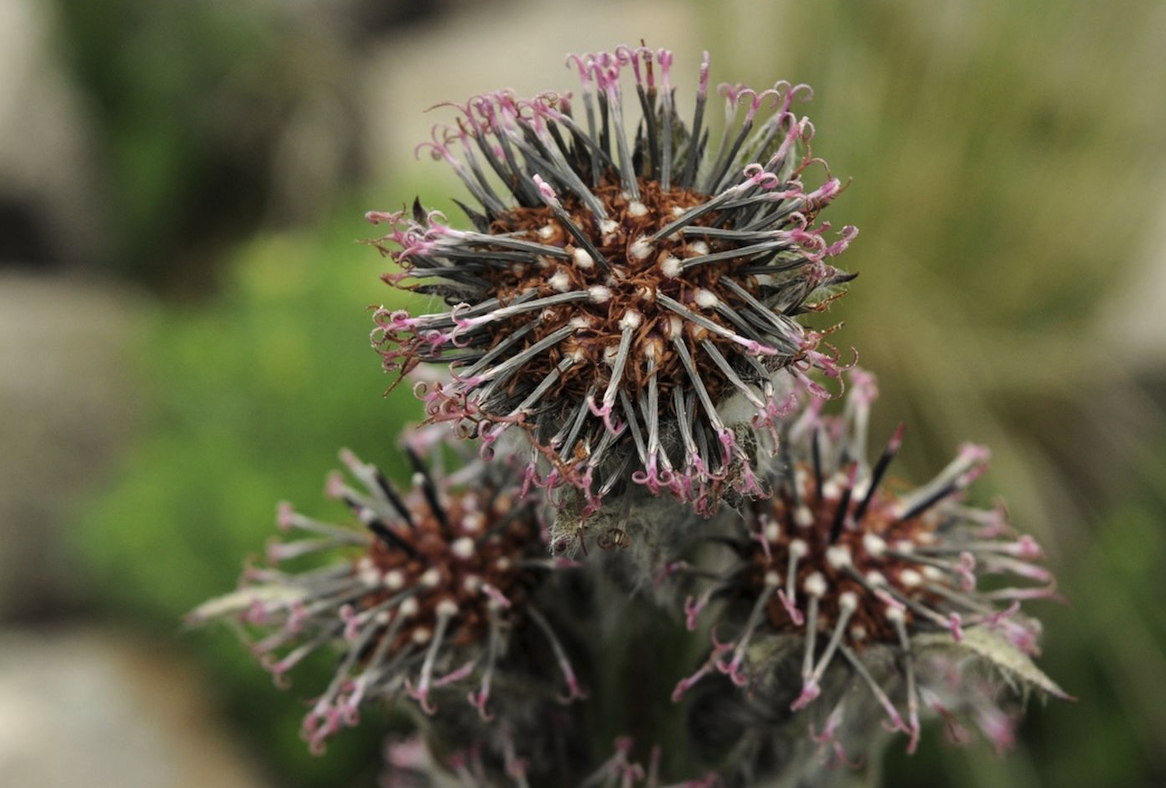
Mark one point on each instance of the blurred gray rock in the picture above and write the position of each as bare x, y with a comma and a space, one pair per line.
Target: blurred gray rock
518, 45
67, 403
86, 708
49, 209
1132, 317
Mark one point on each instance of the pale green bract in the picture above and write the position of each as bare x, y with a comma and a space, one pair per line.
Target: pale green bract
241, 601
981, 642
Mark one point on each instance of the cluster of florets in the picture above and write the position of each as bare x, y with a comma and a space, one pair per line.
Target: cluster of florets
428, 588
614, 293
843, 566
621, 321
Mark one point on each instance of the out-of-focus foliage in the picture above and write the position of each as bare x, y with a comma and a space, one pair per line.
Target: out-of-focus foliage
192, 104
1006, 167
154, 74
251, 396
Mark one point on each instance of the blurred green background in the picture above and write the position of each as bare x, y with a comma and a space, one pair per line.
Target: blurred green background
186, 317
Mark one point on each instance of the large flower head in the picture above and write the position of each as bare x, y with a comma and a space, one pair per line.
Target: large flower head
622, 280
423, 595
876, 593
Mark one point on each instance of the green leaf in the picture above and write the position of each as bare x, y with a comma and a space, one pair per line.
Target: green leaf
981, 642
241, 600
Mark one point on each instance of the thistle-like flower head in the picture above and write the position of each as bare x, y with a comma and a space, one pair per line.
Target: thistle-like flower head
422, 598
621, 281
861, 578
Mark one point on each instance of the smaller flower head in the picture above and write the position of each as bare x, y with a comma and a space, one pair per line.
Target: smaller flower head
421, 597
618, 288
854, 572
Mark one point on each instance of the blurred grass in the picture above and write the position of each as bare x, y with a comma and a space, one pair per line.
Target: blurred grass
1006, 162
